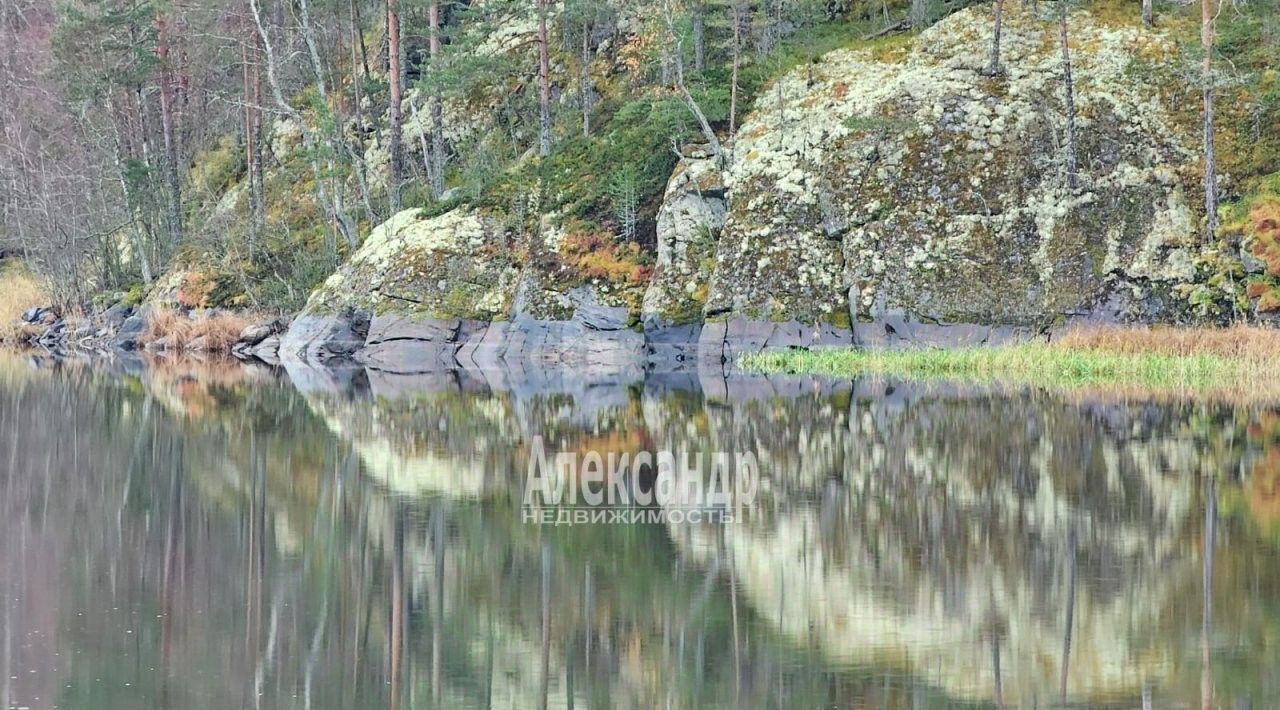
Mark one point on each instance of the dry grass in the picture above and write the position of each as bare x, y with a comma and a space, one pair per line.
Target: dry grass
19, 291
1241, 344
178, 331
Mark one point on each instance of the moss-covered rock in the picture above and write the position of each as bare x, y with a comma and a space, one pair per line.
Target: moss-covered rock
924, 189
688, 227
456, 265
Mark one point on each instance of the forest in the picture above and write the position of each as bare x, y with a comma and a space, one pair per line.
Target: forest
234, 154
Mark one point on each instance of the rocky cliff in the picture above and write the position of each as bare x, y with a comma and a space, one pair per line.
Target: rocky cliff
891, 193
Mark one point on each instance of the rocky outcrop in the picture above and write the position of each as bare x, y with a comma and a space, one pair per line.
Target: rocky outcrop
428, 293
874, 197
688, 227
912, 196
595, 336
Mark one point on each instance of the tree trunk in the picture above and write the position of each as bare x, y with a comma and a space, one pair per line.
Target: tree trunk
131, 204
699, 36
359, 37
1073, 180
357, 81
250, 148
737, 13
1210, 157
993, 68
677, 62
1147, 13
584, 81
919, 14
544, 82
258, 187
335, 138
396, 80
331, 207
166, 127
435, 172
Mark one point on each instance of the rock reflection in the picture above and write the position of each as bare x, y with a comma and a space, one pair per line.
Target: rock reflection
188, 537
1012, 548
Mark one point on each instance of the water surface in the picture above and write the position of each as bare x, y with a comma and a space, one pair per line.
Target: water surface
196, 536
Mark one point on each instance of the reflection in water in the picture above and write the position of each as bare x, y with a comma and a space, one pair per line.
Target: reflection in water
191, 536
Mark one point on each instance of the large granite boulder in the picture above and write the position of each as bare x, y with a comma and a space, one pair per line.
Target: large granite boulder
429, 293
688, 227
896, 191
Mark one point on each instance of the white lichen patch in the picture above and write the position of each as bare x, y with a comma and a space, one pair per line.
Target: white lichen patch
391, 250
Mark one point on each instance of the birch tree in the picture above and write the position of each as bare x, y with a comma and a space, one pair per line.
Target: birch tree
544, 80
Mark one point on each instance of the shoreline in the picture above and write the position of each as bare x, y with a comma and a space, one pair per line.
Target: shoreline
1159, 358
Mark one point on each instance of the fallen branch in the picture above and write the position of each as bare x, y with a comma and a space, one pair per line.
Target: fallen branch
395, 297
899, 26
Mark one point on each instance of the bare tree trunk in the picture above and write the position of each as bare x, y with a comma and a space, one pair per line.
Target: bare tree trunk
422, 136
396, 80
544, 82
1148, 18
678, 65
166, 125
1073, 180
336, 139
357, 156
1210, 158
132, 206
250, 148
359, 36
258, 188
435, 171
584, 80
699, 36
332, 207
357, 81
919, 14
993, 68
737, 13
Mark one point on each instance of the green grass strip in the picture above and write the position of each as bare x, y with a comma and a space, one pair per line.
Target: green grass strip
1029, 362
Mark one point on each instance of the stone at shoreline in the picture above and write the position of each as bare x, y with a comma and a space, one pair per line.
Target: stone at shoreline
115, 316
912, 193
130, 331
159, 344
321, 338
268, 350
255, 334
407, 344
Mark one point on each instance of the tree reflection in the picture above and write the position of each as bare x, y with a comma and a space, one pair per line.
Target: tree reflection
220, 541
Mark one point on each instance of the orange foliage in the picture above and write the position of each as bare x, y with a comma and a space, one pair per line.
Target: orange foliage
597, 256
1264, 232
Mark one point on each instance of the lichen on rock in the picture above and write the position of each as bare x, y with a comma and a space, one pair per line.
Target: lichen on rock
688, 226
455, 265
924, 188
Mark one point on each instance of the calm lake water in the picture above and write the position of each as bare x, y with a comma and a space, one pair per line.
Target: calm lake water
192, 536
